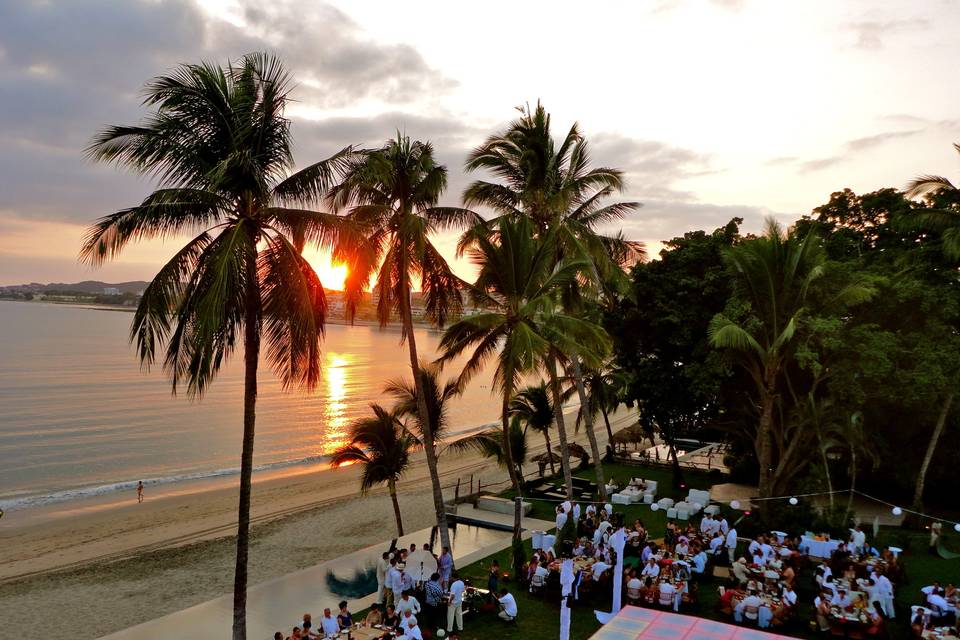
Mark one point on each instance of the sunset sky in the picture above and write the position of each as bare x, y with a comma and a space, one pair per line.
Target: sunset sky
713, 108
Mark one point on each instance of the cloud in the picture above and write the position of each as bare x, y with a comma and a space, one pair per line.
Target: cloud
850, 148
871, 34
67, 69
651, 168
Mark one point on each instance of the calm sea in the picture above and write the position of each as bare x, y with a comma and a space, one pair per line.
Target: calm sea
79, 418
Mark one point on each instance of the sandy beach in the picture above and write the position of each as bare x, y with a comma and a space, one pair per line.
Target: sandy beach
103, 567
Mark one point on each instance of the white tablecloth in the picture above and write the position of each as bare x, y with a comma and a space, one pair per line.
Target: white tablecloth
818, 548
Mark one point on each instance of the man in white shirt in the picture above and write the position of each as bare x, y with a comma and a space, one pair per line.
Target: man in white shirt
599, 568
455, 607
716, 543
651, 570
408, 603
412, 631
885, 594
766, 550
754, 547
841, 600
392, 584
329, 625
668, 593
858, 539
383, 565
561, 519
576, 512
508, 606
706, 524
700, 562
789, 596
731, 542
752, 603
724, 527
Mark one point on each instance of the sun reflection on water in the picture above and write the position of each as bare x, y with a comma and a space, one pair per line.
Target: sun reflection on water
336, 373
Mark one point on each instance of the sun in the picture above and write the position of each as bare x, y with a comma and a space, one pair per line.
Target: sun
332, 274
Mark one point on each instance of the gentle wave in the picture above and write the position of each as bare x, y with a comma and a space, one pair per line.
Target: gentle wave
80, 493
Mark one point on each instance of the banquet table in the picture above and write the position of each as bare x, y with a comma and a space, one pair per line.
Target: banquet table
365, 633
818, 548
765, 614
939, 633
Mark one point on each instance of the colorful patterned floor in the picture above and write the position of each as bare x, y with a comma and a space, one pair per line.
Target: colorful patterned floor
634, 623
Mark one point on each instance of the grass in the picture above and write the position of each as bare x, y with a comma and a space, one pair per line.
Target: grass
539, 619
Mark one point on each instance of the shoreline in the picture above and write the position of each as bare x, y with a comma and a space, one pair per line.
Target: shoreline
110, 569
357, 322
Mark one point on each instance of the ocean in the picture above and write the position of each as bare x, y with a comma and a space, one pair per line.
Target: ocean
79, 418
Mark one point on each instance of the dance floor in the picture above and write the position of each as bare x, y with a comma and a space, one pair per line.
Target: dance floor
634, 623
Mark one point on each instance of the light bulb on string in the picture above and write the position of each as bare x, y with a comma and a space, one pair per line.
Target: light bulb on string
654, 507
793, 500
896, 511
734, 504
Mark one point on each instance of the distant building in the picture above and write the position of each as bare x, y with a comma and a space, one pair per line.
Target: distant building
111, 291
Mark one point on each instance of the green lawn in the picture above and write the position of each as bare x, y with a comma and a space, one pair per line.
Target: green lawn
539, 619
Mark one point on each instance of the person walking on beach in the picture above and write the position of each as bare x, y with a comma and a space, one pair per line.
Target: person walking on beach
139, 491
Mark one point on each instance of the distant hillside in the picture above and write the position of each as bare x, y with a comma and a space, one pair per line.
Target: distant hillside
87, 286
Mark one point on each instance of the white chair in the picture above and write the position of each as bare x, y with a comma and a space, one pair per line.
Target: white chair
621, 498
633, 595
751, 612
682, 514
665, 503
537, 583
648, 498
664, 599
651, 487
671, 513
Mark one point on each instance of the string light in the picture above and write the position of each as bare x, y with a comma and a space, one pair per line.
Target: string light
734, 504
654, 507
897, 511
793, 500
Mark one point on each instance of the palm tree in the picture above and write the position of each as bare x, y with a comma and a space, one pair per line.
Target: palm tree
532, 406
219, 146
605, 387
489, 444
382, 445
392, 193
775, 273
943, 219
556, 188
517, 284
438, 395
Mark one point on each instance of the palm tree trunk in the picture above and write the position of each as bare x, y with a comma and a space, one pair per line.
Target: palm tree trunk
392, 487
515, 478
553, 468
764, 446
251, 358
606, 421
561, 426
853, 484
931, 449
424, 414
826, 473
588, 422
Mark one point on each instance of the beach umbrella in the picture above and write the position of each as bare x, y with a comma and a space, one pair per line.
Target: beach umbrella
421, 565
631, 435
577, 451
545, 458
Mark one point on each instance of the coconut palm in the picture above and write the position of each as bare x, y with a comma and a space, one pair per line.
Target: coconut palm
775, 273
944, 220
219, 146
605, 386
517, 285
382, 445
555, 187
489, 444
392, 192
532, 406
438, 395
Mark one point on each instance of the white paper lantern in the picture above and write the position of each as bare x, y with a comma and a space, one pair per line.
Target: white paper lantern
734, 504
956, 527
654, 507
896, 511
794, 501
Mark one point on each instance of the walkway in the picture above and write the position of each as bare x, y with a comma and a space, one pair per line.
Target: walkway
279, 604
